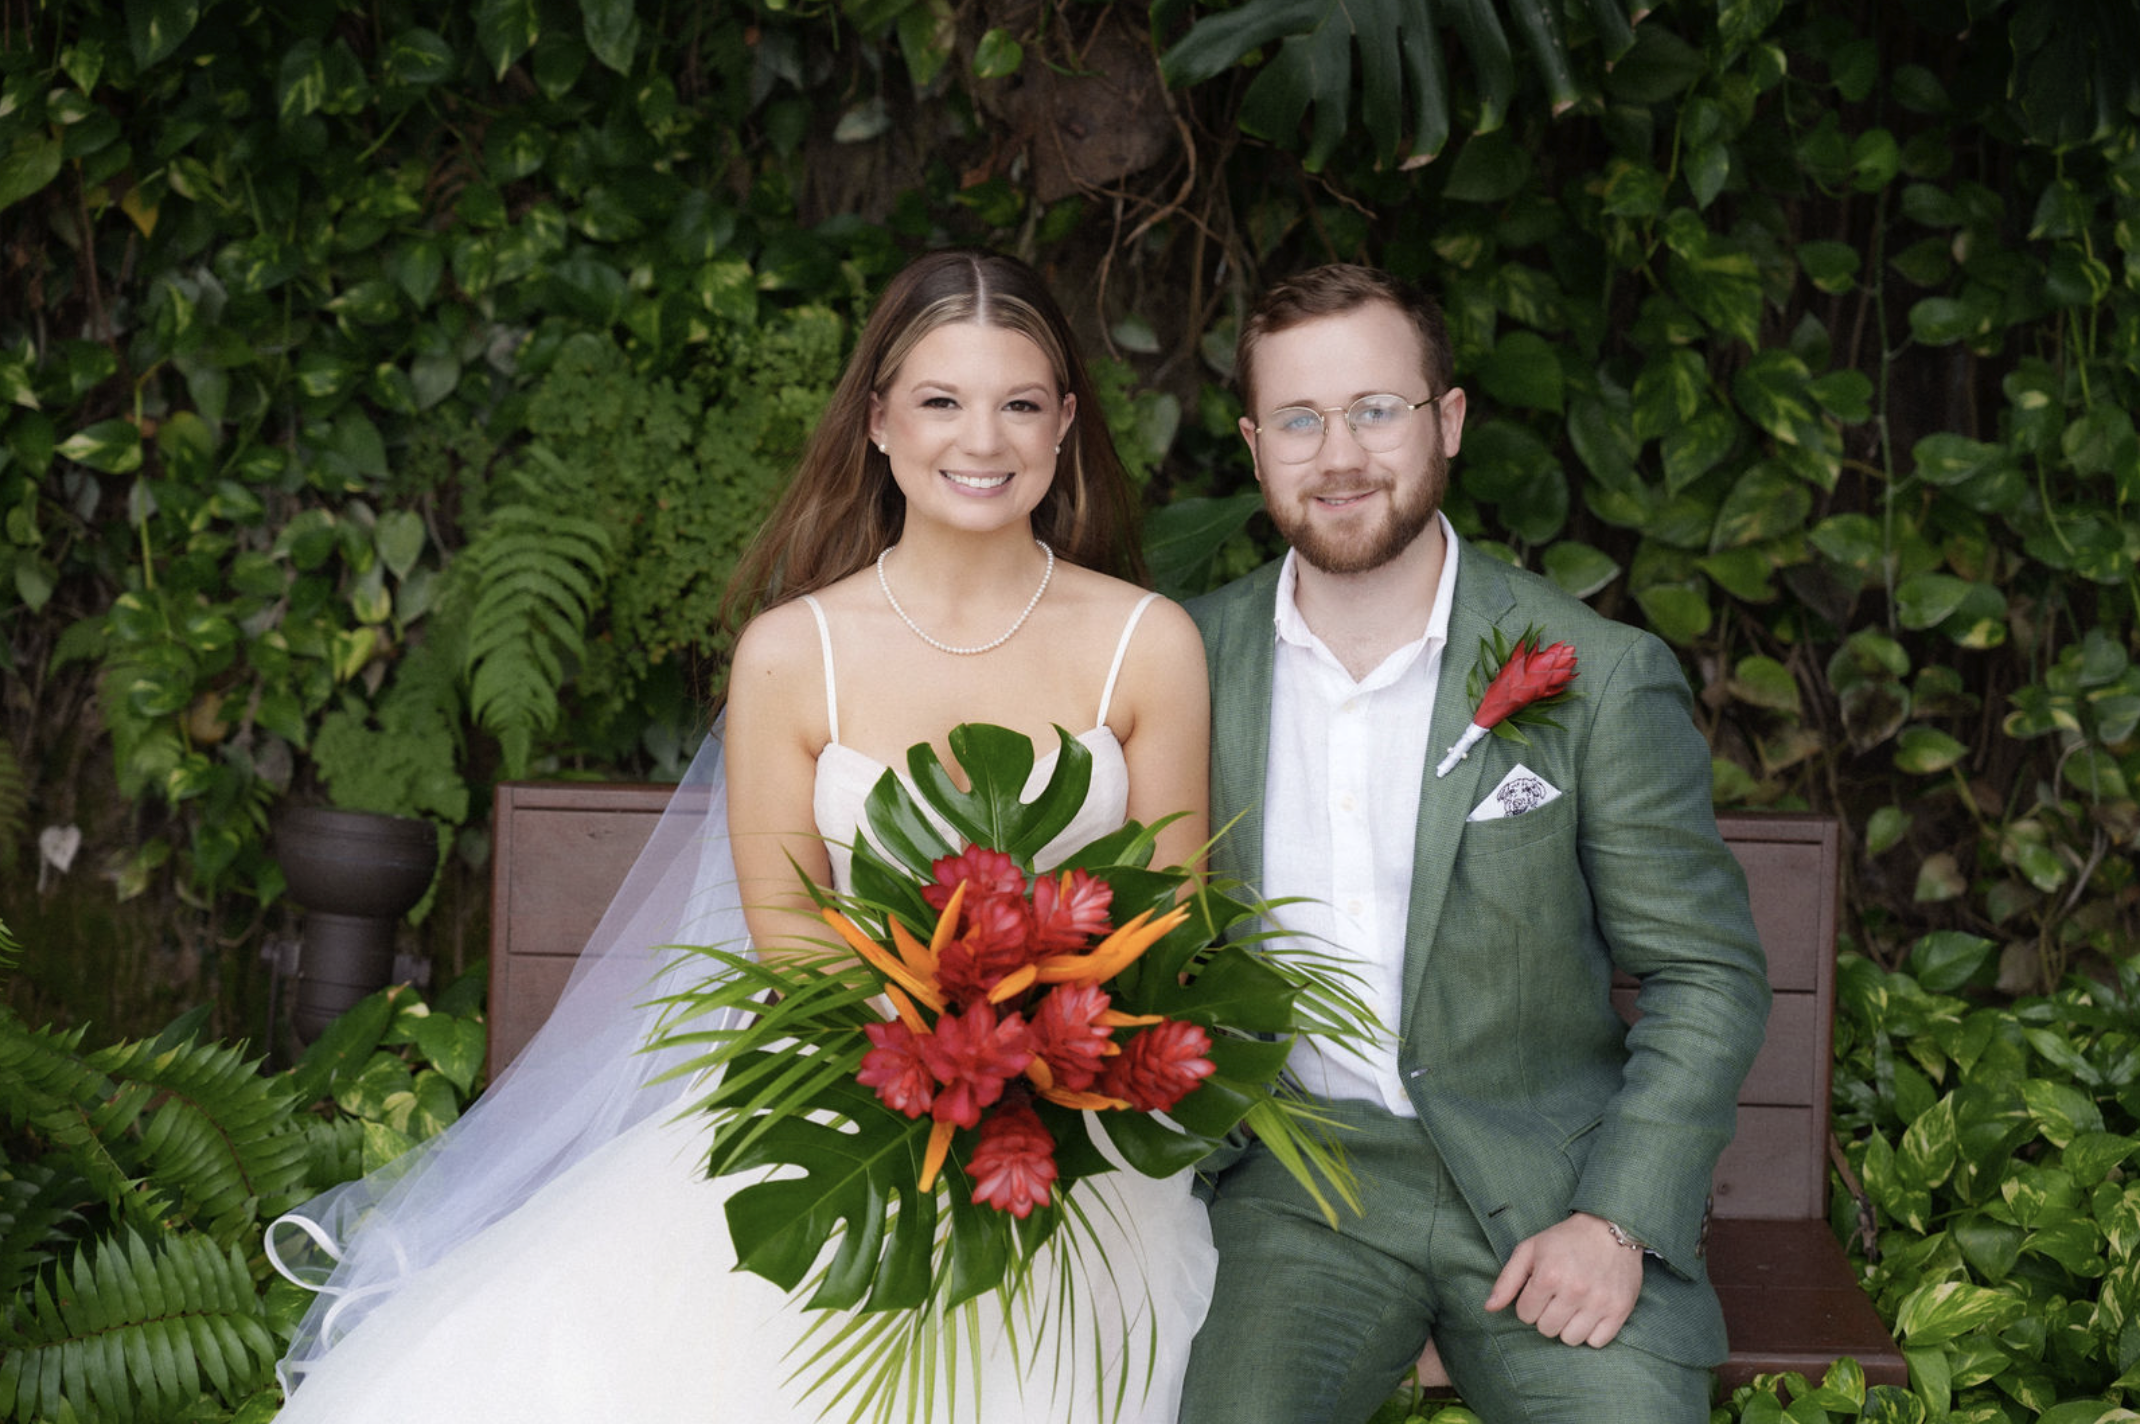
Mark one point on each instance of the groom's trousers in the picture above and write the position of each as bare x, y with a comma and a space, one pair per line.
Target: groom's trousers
1315, 1325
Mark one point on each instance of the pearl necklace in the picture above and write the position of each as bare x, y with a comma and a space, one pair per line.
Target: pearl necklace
1008, 633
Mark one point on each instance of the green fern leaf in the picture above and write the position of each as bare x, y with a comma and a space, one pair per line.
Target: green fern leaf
538, 578
39, 1211
219, 1134
46, 1086
135, 1328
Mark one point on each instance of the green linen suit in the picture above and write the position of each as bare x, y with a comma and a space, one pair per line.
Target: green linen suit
1535, 1095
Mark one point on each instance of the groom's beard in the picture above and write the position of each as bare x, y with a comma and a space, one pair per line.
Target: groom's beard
1413, 505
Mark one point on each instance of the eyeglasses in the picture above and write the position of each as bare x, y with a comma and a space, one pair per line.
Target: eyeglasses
1295, 433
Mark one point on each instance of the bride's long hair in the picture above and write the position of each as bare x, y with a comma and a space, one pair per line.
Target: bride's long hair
842, 507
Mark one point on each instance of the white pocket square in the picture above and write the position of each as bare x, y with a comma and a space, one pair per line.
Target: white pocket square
1521, 790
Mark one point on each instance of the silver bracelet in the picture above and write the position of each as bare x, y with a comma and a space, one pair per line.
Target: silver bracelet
1622, 1238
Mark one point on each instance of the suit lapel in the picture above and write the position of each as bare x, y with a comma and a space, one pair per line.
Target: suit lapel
1482, 598
1241, 729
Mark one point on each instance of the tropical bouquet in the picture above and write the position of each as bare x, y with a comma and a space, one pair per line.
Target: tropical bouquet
922, 1090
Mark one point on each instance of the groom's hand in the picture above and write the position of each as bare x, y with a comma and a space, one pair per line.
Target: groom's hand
1573, 1281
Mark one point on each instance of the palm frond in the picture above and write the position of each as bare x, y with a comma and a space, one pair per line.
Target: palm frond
133, 1327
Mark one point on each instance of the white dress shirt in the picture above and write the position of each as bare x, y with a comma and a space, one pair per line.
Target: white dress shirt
1341, 805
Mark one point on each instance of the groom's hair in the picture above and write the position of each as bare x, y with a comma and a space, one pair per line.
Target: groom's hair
1334, 290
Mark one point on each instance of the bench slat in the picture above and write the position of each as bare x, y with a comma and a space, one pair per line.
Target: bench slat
561, 850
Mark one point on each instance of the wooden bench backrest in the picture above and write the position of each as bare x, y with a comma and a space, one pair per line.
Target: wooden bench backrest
562, 849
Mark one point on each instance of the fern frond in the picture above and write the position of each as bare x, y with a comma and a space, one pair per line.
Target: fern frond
38, 1213
47, 1086
538, 578
334, 1151
219, 1134
132, 1328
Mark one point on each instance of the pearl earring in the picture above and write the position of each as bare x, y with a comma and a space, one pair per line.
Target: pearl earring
1058, 447
884, 447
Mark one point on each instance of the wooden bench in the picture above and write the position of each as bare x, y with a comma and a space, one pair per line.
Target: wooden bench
1790, 1301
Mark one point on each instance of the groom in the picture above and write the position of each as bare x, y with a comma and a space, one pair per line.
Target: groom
1534, 1174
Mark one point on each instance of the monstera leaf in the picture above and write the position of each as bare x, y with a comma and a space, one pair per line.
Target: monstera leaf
905, 1162
1404, 82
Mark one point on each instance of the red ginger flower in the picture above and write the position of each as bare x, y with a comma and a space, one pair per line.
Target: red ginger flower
1068, 911
973, 1055
990, 872
1066, 1037
1531, 674
1013, 1166
1159, 1066
996, 943
896, 1070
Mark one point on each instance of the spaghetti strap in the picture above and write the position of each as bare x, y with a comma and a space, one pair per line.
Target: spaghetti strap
824, 641
1107, 693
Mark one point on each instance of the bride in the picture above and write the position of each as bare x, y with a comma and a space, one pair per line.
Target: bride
948, 552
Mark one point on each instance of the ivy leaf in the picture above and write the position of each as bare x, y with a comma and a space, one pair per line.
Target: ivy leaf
1927, 1154
1679, 612
1943, 1310
1523, 370
1921, 751
1926, 599
113, 446
1490, 169
1668, 391
1580, 569
1885, 828
1942, 321
506, 30
31, 162
1939, 878
1717, 280
417, 57
1945, 960
1946, 459
1764, 503
2060, 1111
1771, 389
1707, 169
1659, 66
998, 55
612, 31
156, 28
301, 82
400, 537
1830, 266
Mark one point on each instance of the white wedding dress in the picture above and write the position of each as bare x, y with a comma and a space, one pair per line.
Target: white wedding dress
611, 1294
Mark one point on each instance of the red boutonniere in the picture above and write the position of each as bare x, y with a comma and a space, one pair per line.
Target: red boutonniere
1529, 680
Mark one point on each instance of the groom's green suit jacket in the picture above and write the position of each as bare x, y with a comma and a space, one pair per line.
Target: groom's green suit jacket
1537, 1096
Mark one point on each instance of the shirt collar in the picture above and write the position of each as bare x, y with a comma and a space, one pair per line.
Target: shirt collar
1294, 629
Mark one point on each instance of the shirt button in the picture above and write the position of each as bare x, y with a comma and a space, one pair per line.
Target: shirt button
1346, 803
1352, 907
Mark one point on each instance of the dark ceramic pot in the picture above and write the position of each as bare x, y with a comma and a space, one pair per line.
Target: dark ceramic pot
356, 873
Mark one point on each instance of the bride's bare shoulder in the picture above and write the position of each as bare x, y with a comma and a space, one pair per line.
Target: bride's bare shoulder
1108, 601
